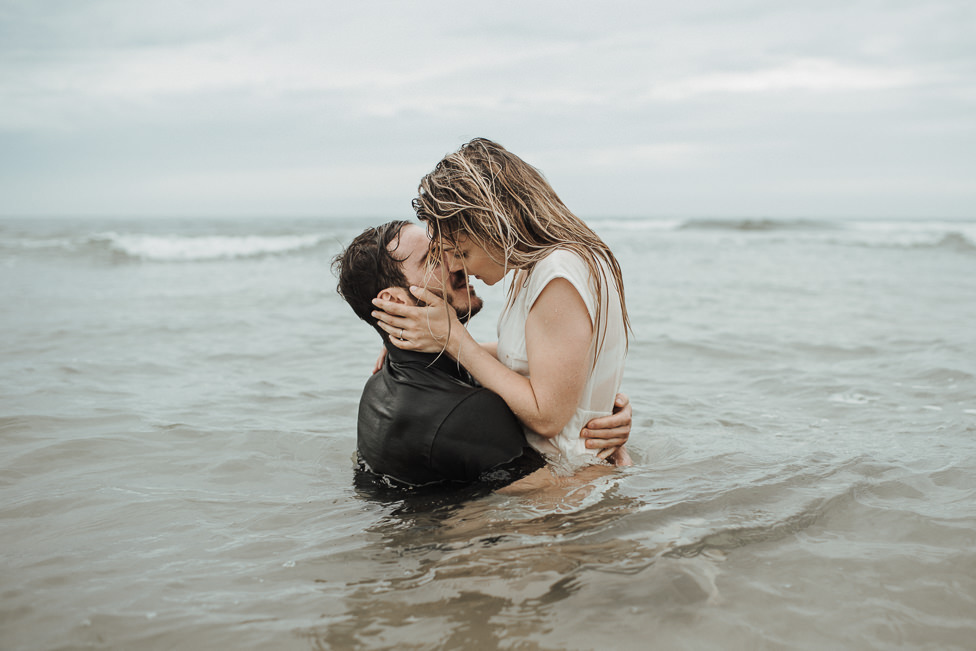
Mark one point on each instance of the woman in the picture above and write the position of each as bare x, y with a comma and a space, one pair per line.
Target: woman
563, 333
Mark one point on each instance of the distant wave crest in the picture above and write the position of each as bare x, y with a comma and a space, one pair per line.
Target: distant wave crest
959, 236
953, 235
759, 224
175, 247
121, 247
958, 241
182, 248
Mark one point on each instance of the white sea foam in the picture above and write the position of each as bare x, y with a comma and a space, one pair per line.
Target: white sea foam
852, 398
157, 247
177, 248
36, 244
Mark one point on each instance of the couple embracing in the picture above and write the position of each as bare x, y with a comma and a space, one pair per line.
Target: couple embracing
537, 406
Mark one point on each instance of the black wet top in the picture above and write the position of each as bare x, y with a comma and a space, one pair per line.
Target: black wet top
422, 419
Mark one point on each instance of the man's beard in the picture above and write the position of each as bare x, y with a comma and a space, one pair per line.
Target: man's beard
459, 282
474, 304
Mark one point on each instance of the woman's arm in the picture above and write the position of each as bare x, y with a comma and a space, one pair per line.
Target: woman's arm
492, 349
558, 334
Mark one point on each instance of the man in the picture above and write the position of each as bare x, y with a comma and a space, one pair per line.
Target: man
422, 419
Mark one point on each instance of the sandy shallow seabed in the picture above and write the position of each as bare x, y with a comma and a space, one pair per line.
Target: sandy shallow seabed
177, 417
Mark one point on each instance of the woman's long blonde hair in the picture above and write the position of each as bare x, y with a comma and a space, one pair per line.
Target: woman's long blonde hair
508, 208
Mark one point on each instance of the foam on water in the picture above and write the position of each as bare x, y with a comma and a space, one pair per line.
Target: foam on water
148, 241
133, 245
176, 248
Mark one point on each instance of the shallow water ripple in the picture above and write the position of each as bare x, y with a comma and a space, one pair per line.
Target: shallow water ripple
177, 437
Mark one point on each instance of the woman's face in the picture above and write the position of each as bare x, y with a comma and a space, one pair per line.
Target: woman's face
466, 255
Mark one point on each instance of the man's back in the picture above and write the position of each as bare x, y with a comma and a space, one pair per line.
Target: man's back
422, 421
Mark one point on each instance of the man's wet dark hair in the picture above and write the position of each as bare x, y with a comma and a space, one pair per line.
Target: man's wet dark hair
368, 266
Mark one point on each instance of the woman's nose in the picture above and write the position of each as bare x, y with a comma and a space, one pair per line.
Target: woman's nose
453, 262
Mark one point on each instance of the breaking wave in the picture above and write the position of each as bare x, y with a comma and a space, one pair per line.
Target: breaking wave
249, 242
750, 225
169, 248
954, 235
178, 248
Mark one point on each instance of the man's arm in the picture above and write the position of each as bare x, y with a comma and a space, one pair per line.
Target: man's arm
379, 361
609, 433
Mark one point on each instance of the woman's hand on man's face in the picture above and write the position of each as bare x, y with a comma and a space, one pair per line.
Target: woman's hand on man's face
411, 327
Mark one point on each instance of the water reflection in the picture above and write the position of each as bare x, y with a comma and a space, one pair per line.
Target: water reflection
474, 568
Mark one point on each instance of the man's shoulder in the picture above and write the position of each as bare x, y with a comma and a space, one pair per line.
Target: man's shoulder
402, 412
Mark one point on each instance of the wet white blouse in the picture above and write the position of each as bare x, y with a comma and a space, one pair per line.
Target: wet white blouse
606, 369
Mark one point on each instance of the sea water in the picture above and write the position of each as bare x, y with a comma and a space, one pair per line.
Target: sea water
177, 422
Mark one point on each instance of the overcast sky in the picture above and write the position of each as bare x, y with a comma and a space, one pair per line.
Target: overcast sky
726, 108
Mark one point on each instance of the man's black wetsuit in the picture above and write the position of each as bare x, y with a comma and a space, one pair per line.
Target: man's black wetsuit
422, 420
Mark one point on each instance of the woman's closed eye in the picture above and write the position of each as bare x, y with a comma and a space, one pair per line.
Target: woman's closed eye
454, 254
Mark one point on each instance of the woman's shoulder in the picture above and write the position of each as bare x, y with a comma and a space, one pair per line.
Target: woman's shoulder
560, 263
560, 260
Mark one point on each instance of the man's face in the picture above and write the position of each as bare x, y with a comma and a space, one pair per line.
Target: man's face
414, 251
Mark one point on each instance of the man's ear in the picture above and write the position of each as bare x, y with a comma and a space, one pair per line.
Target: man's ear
397, 295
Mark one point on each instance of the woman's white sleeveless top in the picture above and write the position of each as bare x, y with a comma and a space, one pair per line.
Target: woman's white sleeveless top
566, 450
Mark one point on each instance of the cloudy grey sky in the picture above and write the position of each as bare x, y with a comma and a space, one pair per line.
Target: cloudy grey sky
301, 107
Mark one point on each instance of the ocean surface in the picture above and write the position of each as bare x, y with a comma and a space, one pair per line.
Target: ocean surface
177, 423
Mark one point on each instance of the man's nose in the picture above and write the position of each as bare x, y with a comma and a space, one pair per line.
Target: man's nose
453, 263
